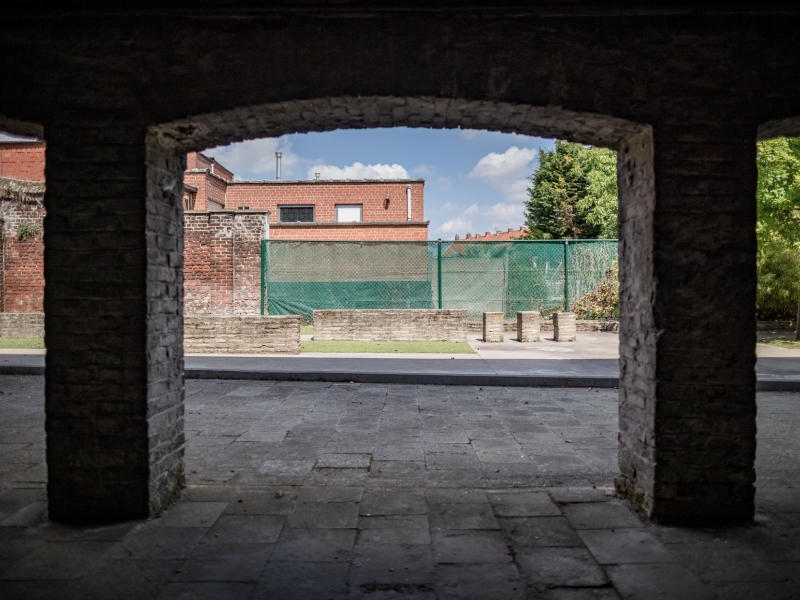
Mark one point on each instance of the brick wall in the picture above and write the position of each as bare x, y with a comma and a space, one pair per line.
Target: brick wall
394, 325
340, 231
22, 273
242, 334
325, 195
222, 258
23, 161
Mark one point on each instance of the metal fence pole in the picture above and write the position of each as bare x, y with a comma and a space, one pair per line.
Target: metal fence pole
263, 275
439, 261
566, 275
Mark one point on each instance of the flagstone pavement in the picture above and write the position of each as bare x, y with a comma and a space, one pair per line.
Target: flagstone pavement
319, 490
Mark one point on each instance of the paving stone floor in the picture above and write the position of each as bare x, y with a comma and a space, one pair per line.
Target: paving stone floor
316, 490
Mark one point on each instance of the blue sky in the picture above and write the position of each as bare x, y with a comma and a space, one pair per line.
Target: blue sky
475, 181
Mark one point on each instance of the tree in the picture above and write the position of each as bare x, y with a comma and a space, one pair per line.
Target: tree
573, 193
778, 228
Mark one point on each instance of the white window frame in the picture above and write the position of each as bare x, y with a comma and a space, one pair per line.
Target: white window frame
360, 208
313, 208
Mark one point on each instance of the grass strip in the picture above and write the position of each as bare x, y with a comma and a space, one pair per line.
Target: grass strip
786, 342
27, 343
306, 330
387, 347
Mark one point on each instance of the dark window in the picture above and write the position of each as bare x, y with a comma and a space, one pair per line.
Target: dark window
297, 214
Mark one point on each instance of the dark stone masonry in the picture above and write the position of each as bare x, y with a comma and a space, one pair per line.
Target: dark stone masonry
121, 94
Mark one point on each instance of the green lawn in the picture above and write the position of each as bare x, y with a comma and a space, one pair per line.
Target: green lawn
306, 330
783, 342
35, 343
388, 347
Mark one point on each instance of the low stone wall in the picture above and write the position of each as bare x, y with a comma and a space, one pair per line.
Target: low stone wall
400, 325
547, 325
211, 334
21, 325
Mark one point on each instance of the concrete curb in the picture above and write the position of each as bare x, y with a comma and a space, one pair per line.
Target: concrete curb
763, 385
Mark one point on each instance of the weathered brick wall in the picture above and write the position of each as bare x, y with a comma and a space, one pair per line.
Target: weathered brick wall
22, 267
21, 325
22, 161
242, 334
222, 255
393, 325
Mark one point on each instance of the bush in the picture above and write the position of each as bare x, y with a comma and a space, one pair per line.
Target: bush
778, 282
603, 301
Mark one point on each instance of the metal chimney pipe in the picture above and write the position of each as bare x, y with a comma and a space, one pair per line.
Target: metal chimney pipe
408, 198
278, 156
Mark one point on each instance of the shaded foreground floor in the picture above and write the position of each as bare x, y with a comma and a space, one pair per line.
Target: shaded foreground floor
315, 490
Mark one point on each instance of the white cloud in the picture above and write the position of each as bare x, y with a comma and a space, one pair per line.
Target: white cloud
450, 207
469, 134
455, 226
255, 159
478, 219
359, 171
445, 184
471, 210
423, 171
507, 172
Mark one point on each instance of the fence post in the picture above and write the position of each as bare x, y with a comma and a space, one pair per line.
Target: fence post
263, 277
439, 264
566, 276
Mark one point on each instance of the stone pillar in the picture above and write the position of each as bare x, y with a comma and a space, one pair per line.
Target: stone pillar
113, 312
564, 327
528, 325
492, 327
687, 327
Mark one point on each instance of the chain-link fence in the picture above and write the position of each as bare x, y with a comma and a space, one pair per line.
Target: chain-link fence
299, 277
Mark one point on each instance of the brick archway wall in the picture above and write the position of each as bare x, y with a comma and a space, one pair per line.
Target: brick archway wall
168, 143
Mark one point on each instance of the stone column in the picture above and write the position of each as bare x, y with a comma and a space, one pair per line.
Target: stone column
113, 310
564, 327
492, 327
528, 326
687, 327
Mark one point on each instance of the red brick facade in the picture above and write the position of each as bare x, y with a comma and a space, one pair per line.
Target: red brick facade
23, 161
222, 249
384, 203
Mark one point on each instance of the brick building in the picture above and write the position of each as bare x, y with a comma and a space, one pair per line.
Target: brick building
497, 236
385, 209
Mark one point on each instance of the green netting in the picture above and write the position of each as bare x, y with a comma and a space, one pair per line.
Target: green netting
301, 276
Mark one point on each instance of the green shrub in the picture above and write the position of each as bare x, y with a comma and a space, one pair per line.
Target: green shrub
778, 282
27, 229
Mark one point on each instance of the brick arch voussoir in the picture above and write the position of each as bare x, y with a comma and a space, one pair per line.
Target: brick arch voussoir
364, 112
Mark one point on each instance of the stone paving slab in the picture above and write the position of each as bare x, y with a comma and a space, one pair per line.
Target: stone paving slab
385, 491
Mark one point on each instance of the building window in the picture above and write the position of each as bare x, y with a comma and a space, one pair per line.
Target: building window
188, 202
296, 214
348, 213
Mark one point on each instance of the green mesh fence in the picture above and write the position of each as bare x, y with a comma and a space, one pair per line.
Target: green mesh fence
299, 277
